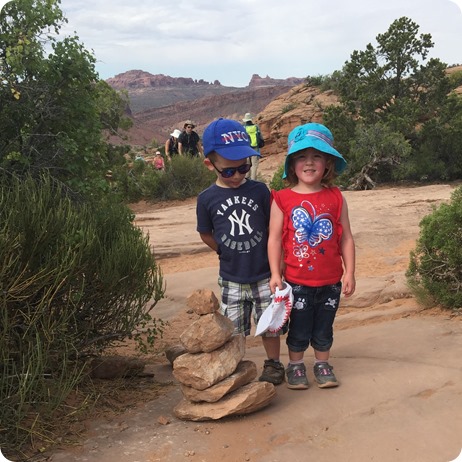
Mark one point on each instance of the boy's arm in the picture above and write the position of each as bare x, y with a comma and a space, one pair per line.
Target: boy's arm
208, 239
348, 252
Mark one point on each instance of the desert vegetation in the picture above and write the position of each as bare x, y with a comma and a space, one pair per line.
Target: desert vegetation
76, 275
399, 118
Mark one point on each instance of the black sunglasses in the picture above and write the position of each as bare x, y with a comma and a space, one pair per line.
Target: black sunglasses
230, 171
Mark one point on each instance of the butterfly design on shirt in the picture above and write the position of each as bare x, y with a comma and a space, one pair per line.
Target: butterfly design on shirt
301, 252
311, 228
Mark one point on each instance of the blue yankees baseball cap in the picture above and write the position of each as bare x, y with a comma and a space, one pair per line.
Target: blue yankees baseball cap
229, 138
315, 136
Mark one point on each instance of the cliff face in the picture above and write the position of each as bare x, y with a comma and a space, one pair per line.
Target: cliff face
277, 111
159, 103
257, 81
141, 79
159, 122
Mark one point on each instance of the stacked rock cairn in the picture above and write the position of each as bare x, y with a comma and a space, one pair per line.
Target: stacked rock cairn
215, 380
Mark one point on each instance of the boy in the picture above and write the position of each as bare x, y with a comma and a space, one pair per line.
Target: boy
232, 219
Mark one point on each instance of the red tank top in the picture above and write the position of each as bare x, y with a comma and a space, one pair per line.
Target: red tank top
311, 236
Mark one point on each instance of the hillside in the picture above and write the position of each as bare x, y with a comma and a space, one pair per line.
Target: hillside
158, 103
148, 91
278, 106
159, 122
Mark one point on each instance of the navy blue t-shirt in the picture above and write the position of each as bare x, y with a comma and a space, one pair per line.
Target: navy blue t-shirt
239, 220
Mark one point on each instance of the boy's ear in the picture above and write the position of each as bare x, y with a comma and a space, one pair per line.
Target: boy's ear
208, 164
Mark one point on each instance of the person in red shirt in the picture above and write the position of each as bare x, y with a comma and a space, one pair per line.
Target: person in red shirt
158, 161
310, 230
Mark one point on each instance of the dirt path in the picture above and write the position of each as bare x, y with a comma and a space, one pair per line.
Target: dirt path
399, 366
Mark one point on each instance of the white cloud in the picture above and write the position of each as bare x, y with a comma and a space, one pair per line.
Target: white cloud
2, 457
230, 40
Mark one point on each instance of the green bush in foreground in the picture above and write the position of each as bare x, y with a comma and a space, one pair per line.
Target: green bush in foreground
74, 279
435, 269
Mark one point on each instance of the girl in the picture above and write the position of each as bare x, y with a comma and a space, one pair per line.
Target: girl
310, 231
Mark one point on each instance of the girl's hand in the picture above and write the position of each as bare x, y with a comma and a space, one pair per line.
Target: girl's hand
349, 285
275, 281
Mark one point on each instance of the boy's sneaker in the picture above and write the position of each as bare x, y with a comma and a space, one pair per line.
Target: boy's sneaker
324, 374
296, 377
273, 372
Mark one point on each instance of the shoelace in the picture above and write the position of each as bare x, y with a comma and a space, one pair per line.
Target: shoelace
299, 373
324, 370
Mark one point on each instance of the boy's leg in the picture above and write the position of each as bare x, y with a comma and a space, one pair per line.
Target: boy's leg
234, 306
273, 369
272, 346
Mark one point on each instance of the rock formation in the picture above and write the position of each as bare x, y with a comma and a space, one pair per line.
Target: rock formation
214, 379
257, 81
141, 79
159, 103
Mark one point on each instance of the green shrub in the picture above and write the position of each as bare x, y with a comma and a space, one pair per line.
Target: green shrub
186, 177
288, 108
455, 79
277, 183
74, 278
183, 177
435, 268
325, 82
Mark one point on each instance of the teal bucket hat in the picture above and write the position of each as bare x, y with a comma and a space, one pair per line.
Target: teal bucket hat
315, 136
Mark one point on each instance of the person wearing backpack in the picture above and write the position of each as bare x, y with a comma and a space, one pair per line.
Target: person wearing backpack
171, 145
256, 142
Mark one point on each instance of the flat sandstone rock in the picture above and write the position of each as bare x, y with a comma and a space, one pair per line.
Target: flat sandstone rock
247, 399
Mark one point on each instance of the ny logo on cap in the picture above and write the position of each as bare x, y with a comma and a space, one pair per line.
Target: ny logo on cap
233, 136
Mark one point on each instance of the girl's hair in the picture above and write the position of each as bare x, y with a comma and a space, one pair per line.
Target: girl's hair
327, 180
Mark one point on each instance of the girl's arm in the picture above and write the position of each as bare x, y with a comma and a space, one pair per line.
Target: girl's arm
348, 252
275, 246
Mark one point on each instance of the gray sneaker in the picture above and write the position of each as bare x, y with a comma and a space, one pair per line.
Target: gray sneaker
273, 372
324, 374
296, 377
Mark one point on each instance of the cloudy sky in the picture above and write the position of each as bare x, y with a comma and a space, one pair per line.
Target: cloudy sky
230, 40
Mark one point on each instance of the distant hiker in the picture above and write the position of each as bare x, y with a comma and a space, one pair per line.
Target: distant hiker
140, 157
171, 145
254, 133
158, 161
189, 141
